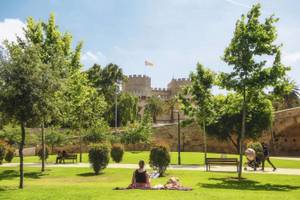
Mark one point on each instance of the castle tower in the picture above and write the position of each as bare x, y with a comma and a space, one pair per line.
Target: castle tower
176, 85
138, 85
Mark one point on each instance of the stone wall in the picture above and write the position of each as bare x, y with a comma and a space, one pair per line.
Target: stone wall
161, 92
283, 138
285, 134
191, 139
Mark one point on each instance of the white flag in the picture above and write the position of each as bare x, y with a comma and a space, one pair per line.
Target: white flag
150, 64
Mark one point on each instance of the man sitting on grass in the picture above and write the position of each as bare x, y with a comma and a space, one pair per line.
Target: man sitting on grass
140, 178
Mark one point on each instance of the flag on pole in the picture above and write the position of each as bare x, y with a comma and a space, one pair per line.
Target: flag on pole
148, 63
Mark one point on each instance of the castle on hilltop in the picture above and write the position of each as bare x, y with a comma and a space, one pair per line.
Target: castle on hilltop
140, 85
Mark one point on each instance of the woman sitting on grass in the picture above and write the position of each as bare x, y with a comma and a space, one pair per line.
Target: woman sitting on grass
140, 178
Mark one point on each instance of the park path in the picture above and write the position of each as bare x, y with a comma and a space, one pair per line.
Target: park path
286, 158
284, 171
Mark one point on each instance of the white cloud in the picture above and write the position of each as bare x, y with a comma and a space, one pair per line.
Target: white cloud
291, 58
238, 3
10, 28
90, 57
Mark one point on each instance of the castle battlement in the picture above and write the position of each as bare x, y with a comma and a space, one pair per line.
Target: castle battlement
159, 89
140, 85
180, 79
138, 76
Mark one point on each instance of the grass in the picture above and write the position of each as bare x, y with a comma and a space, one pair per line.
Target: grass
194, 158
80, 183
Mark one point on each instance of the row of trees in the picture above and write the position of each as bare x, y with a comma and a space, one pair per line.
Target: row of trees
246, 110
43, 85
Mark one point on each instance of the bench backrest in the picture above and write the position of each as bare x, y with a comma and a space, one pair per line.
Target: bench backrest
222, 160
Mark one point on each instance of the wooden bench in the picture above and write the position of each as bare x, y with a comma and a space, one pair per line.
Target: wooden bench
221, 161
72, 157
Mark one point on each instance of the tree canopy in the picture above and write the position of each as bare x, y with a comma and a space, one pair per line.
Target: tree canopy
225, 125
252, 41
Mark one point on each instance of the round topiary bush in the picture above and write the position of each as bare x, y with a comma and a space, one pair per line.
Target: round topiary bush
40, 153
160, 158
258, 149
99, 157
117, 152
2, 151
10, 153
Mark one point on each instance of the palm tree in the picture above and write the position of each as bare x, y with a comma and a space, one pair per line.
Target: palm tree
171, 105
289, 94
155, 107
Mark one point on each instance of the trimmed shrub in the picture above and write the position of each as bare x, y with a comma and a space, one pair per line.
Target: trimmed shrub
117, 152
160, 158
99, 157
258, 149
40, 153
2, 151
10, 153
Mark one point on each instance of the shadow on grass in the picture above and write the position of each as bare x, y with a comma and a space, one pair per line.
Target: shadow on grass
135, 152
6, 188
245, 184
11, 174
89, 174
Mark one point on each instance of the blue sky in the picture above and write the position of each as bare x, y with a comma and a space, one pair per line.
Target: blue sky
173, 34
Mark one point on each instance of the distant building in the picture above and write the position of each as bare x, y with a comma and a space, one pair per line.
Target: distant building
140, 85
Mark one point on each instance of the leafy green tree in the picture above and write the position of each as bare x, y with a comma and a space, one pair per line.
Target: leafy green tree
127, 109
20, 86
228, 111
285, 95
107, 81
81, 107
10, 134
139, 132
59, 60
96, 135
55, 138
154, 106
197, 98
251, 41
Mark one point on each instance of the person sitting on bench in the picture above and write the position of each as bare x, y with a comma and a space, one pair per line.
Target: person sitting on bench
59, 157
140, 178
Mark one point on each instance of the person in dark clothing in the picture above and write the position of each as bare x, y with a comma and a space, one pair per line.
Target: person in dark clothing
59, 157
140, 178
266, 157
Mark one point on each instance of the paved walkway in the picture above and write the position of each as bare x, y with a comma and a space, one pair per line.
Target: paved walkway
287, 158
284, 171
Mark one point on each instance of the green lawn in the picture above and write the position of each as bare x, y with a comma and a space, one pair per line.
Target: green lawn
80, 183
186, 158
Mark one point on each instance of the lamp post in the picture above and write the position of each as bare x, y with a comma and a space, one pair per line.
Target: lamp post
116, 105
178, 136
116, 108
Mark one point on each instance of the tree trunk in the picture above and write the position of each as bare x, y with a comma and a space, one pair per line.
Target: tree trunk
21, 155
205, 144
80, 148
235, 144
242, 134
43, 146
154, 119
172, 115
